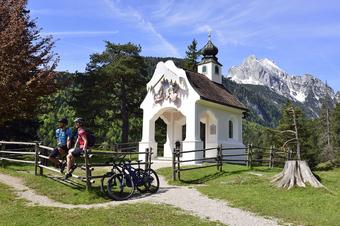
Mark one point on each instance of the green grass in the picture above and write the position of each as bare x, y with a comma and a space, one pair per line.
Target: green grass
74, 193
241, 188
14, 211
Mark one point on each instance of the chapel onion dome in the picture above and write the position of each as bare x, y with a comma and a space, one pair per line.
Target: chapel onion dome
209, 50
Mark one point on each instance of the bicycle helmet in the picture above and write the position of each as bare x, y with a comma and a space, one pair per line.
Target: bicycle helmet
79, 120
63, 120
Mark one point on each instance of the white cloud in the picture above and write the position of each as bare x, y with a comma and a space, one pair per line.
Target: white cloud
78, 33
204, 29
134, 16
252, 23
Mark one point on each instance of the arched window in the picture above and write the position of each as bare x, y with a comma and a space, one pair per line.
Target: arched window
204, 69
217, 71
231, 129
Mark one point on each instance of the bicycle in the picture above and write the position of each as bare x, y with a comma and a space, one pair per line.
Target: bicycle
124, 179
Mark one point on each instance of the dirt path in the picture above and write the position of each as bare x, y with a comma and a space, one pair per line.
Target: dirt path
182, 197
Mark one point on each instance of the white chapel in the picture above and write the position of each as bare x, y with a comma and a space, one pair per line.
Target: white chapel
190, 104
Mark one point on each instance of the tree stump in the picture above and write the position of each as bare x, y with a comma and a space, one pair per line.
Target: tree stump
296, 173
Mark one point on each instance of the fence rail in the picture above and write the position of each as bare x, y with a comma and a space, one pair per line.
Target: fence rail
252, 156
41, 158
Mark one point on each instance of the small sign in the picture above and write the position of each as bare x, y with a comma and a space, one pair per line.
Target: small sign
213, 129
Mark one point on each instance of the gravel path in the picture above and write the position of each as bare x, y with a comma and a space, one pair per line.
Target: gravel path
188, 199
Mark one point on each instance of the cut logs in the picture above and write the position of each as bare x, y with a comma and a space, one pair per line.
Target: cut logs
296, 173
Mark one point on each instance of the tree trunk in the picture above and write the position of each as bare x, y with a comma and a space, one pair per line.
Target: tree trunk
125, 116
296, 173
298, 152
125, 128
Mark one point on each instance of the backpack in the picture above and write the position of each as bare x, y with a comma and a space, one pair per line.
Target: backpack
74, 134
91, 138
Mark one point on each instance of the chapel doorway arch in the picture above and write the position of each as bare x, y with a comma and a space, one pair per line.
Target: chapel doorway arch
173, 121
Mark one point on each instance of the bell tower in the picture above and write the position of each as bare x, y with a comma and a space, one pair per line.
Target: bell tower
209, 66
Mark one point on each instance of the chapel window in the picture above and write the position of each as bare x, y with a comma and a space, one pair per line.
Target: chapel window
231, 129
217, 70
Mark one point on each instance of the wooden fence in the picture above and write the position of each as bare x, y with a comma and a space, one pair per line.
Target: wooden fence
252, 156
38, 155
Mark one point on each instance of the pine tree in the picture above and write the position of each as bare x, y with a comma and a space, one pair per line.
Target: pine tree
192, 55
295, 136
26, 63
56, 106
325, 141
113, 88
335, 128
292, 129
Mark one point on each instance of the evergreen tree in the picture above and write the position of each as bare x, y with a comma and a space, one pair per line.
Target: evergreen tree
112, 90
302, 144
324, 129
335, 128
26, 63
296, 135
192, 55
56, 106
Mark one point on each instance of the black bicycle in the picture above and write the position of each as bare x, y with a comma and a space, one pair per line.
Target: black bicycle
124, 179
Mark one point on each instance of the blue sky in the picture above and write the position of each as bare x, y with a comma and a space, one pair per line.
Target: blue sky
300, 36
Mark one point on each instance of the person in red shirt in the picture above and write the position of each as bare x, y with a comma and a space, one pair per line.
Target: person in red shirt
78, 150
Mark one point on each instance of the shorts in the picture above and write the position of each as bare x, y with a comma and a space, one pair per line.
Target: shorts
77, 152
56, 152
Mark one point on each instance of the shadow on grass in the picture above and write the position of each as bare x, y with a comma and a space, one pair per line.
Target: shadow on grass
80, 186
208, 177
212, 176
69, 183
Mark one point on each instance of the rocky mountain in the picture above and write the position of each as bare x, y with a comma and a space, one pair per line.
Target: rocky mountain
305, 89
264, 104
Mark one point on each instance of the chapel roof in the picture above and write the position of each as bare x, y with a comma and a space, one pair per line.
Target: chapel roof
212, 91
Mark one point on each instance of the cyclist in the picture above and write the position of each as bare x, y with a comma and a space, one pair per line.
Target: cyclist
64, 138
80, 146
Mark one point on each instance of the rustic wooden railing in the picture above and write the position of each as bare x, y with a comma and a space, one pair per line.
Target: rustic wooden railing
38, 155
252, 156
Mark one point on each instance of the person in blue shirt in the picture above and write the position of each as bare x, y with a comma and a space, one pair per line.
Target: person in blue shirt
64, 138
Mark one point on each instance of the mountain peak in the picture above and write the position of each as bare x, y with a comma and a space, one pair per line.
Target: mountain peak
270, 63
306, 88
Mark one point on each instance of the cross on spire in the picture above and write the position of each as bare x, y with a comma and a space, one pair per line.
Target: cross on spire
209, 35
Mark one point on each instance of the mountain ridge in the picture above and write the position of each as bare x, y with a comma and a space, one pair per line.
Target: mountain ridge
306, 89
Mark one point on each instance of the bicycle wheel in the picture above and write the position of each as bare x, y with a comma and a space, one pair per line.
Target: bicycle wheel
151, 180
139, 183
116, 169
102, 181
120, 187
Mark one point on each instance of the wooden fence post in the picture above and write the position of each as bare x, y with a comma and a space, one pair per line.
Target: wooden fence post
250, 155
87, 170
273, 159
150, 158
40, 161
146, 157
3, 148
270, 157
36, 159
219, 158
178, 164
174, 164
